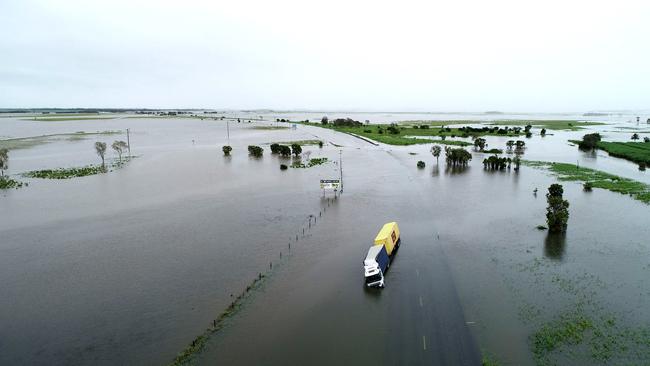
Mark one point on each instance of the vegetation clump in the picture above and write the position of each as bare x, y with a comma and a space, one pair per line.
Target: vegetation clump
421, 164
457, 157
65, 173
312, 162
8, 183
557, 212
589, 141
255, 151
226, 150
638, 152
494, 162
283, 167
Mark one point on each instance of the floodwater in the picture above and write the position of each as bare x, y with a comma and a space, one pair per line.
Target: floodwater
129, 267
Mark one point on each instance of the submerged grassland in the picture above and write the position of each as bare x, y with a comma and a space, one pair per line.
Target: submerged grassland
32, 141
570, 125
638, 152
597, 179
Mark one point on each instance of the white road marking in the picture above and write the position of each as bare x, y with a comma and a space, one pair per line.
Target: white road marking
424, 343
421, 304
417, 271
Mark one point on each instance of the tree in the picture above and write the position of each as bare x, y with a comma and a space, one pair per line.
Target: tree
510, 144
589, 141
296, 149
646, 139
4, 160
557, 212
256, 151
119, 147
324, 120
285, 151
275, 148
635, 136
100, 148
226, 150
436, 150
527, 128
457, 157
517, 161
479, 143
543, 132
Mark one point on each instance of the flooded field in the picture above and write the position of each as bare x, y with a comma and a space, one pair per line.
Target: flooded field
129, 267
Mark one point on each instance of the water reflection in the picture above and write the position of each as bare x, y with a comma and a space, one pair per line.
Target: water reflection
456, 170
435, 171
555, 245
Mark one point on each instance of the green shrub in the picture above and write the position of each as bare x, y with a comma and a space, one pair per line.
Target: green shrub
226, 150
421, 164
283, 167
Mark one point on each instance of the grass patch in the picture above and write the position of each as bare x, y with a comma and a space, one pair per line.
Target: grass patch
65, 173
8, 183
437, 122
638, 152
68, 173
598, 179
312, 162
571, 125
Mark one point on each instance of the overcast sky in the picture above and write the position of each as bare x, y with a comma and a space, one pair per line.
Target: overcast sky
546, 56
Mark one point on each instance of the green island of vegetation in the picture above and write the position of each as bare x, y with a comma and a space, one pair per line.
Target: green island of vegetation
571, 125
638, 152
65, 173
399, 134
597, 179
312, 162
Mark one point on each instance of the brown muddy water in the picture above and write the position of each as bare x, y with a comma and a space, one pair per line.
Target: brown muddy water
129, 267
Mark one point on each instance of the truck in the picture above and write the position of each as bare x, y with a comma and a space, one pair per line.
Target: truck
380, 254
375, 266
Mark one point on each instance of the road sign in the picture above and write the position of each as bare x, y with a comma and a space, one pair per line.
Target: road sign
330, 184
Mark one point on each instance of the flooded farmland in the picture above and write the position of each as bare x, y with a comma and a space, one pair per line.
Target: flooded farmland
129, 267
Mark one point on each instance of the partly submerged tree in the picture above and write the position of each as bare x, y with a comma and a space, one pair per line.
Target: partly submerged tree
589, 141
119, 147
457, 157
517, 161
324, 120
421, 164
543, 132
285, 150
296, 149
4, 160
557, 212
275, 148
635, 136
100, 148
256, 151
479, 143
226, 150
435, 151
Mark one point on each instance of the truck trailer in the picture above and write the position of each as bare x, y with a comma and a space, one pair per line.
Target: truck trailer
381, 254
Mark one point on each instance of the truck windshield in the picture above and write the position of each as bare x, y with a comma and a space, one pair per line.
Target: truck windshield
373, 278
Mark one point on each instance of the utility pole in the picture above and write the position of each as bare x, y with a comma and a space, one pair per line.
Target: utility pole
228, 131
341, 168
128, 141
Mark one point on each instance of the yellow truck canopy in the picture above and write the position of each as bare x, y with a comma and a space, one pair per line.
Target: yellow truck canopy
388, 236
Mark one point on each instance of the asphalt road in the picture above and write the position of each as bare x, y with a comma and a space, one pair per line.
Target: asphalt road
317, 311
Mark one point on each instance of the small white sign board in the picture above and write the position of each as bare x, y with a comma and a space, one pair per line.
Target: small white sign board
333, 184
